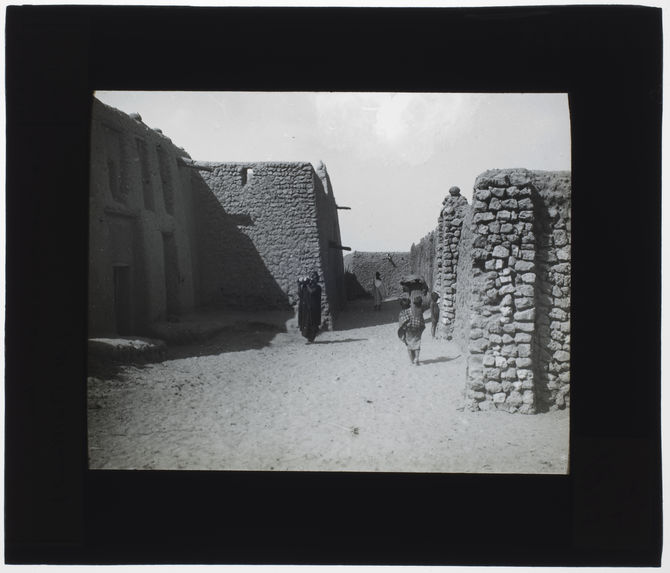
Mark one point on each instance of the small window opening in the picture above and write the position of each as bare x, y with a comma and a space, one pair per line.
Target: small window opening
247, 174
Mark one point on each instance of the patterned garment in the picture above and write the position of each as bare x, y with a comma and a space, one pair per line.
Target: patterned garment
416, 320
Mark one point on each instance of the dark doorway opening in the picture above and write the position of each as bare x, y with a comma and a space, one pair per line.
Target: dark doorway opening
171, 275
122, 299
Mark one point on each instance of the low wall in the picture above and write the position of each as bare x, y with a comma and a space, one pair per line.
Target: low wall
392, 266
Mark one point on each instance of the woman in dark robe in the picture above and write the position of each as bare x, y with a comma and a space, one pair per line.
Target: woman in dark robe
309, 308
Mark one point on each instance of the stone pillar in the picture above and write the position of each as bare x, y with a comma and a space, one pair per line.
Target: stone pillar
448, 238
501, 347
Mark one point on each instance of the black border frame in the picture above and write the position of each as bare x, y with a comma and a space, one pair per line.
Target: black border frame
606, 512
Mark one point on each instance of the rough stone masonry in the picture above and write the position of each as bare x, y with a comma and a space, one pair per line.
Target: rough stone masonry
502, 267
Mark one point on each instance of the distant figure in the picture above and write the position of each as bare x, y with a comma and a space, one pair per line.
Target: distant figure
434, 313
378, 291
309, 307
411, 326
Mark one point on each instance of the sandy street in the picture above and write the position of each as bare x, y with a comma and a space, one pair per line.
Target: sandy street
257, 399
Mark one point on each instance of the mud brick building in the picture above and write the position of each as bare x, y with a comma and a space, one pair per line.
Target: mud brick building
168, 234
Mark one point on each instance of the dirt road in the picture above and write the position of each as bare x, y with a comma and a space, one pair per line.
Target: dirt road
252, 398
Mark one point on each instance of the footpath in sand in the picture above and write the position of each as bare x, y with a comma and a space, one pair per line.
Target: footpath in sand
253, 398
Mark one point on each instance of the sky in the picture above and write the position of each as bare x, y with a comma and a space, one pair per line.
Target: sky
391, 157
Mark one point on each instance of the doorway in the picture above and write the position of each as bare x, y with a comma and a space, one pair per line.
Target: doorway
122, 299
171, 275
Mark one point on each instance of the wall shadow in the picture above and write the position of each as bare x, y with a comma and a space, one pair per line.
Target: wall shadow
231, 272
360, 314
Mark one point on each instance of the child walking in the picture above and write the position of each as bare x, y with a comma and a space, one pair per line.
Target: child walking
411, 326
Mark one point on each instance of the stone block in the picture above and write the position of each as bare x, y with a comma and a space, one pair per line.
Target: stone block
495, 204
528, 397
524, 266
515, 398
525, 290
494, 227
483, 217
507, 338
489, 360
509, 328
492, 374
495, 339
525, 315
558, 314
500, 252
525, 326
482, 194
563, 254
509, 350
523, 363
499, 398
494, 327
493, 387
508, 374
504, 215
523, 350
560, 237
527, 255
561, 356
478, 206
506, 289
563, 268
510, 204
564, 377
506, 228
500, 362
526, 216
522, 338
527, 278
523, 303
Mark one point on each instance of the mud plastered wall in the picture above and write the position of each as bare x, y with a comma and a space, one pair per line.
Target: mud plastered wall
514, 298
141, 226
284, 225
392, 266
422, 258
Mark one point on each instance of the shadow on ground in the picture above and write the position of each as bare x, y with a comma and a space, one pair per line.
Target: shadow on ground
441, 359
360, 314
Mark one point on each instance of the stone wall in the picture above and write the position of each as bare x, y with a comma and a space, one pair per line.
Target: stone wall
141, 226
509, 289
447, 255
285, 225
392, 266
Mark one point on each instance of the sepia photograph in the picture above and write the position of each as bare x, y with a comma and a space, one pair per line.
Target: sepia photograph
329, 281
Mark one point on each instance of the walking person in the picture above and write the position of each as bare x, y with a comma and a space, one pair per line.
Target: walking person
434, 313
378, 291
309, 306
411, 326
